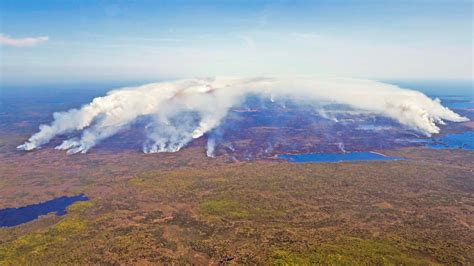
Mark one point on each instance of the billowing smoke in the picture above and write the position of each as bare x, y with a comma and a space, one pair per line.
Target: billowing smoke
180, 111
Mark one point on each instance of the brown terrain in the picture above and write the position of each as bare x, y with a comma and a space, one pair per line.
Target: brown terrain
185, 208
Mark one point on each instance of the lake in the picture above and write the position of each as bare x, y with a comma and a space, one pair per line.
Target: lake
15, 216
337, 157
463, 141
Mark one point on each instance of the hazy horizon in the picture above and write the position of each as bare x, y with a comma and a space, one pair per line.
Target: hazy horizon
67, 42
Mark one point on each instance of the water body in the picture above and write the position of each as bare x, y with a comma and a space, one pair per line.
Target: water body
463, 141
14, 216
337, 157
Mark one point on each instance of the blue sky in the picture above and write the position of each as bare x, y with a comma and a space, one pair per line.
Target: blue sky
74, 41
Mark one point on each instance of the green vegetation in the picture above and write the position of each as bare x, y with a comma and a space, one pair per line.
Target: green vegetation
226, 208
236, 206
35, 246
348, 251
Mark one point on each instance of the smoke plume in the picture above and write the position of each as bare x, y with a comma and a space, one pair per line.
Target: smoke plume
180, 111
211, 146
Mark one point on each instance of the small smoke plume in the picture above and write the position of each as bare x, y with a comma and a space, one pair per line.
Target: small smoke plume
211, 146
183, 110
341, 147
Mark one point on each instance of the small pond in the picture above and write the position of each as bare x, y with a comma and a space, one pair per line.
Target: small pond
15, 216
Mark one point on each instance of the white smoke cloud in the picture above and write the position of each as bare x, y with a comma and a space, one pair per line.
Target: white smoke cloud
21, 42
183, 110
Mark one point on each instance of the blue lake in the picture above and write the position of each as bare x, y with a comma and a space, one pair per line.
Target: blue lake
15, 216
337, 157
463, 141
